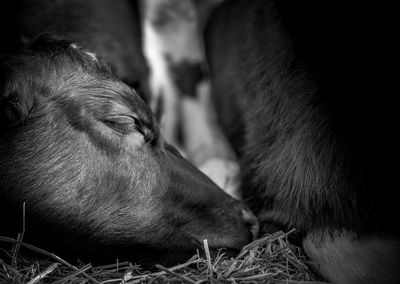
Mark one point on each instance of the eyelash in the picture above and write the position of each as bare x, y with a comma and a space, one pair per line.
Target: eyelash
123, 128
131, 124
125, 124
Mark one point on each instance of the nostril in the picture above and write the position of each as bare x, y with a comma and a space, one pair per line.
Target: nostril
251, 222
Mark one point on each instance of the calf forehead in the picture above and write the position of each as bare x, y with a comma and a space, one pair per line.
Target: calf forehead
75, 80
55, 64
80, 70
105, 98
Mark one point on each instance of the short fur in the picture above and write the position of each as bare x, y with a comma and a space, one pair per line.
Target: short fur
83, 151
299, 92
110, 29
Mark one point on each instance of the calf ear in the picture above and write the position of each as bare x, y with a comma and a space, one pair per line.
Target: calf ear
15, 99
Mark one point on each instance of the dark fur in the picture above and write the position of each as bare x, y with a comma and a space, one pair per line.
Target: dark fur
300, 92
84, 153
112, 30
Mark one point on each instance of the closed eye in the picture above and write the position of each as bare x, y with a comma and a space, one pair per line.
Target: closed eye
123, 124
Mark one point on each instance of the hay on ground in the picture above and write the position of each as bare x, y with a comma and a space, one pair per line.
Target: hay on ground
271, 259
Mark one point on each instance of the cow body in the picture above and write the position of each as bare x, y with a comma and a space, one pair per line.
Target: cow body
296, 87
83, 150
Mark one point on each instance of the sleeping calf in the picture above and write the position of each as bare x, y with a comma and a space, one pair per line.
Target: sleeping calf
83, 150
299, 92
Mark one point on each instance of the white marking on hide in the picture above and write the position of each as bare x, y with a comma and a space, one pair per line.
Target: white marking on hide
177, 41
174, 39
160, 80
180, 34
91, 54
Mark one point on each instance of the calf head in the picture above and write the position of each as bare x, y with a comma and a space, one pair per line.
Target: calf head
84, 153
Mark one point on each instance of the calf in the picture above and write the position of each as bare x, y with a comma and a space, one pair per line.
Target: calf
84, 152
299, 93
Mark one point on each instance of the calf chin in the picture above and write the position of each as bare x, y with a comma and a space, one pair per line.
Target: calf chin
344, 258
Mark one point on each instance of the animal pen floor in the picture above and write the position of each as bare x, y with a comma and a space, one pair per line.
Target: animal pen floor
271, 259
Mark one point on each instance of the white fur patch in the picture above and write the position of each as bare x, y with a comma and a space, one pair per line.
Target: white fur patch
178, 39
90, 54
161, 82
